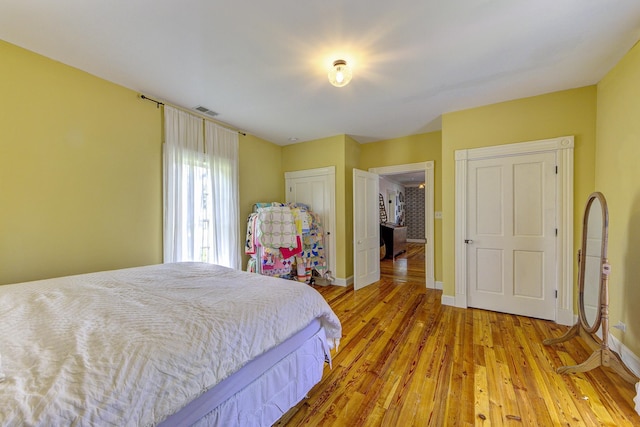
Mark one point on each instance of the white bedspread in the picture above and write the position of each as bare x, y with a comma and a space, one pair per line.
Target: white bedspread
130, 347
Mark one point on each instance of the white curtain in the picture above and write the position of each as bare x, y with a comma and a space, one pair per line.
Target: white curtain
221, 145
200, 191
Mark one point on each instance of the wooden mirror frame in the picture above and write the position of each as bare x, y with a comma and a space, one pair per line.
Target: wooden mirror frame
602, 355
604, 267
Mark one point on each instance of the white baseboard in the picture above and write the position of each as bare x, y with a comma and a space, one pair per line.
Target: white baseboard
631, 360
448, 300
438, 285
628, 357
339, 281
416, 241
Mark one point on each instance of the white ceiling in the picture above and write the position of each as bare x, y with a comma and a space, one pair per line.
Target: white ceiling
262, 65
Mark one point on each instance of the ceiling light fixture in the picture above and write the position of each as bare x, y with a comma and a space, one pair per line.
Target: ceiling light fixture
340, 74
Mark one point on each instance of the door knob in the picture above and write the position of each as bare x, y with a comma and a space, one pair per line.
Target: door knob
467, 241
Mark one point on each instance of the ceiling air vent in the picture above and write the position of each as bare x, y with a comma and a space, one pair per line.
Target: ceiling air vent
205, 110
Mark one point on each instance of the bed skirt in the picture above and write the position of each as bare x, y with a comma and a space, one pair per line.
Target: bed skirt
264, 389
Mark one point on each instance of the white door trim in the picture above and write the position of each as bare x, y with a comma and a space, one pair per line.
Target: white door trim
329, 170
427, 167
563, 147
330, 230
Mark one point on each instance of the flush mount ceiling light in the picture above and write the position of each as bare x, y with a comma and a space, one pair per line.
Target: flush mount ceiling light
340, 74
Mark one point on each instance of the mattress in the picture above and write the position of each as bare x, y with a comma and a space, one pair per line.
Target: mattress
134, 346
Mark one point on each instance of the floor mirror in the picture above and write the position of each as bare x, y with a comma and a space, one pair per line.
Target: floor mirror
593, 297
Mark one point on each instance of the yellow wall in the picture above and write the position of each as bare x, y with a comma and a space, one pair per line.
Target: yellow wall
321, 153
80, 171
412, 149
618, 178
569, 112
261, 177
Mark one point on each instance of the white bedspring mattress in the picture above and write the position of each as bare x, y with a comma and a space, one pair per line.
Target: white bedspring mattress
263, 390
133, 346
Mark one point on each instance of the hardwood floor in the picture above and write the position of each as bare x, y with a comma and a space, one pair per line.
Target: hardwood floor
406, 360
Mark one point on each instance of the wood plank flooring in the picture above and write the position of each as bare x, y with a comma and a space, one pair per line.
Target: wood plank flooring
407, 360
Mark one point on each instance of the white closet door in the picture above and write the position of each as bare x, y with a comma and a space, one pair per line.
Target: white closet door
316, 189
511, 234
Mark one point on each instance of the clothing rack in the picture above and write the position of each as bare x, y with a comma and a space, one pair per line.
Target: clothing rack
286, 240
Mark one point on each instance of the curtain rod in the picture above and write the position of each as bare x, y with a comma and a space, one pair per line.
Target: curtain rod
159, 103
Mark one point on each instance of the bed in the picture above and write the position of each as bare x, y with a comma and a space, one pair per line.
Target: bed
169, 344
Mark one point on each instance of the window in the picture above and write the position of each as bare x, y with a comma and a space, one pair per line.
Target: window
201, 214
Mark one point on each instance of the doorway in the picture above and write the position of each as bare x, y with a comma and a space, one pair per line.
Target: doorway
409, 267
411, 170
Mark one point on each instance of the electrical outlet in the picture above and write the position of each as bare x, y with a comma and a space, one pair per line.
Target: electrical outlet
621, 326
438, 214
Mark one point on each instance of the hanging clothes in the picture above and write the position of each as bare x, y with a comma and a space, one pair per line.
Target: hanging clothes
285, 240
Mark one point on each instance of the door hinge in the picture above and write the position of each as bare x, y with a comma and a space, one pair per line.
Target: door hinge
556, 170
556, 294
556, 232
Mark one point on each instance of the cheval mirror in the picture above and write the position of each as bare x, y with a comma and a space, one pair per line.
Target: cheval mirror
593, 297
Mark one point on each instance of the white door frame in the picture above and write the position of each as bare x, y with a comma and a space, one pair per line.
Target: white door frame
329, 229
427, 167
563, 147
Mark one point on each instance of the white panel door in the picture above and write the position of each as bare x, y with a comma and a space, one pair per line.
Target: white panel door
366, 229
511, 248
316, 189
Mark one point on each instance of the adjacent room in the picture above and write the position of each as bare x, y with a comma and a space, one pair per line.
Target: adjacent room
341, 213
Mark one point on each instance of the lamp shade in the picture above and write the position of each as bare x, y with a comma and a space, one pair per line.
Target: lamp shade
340, 74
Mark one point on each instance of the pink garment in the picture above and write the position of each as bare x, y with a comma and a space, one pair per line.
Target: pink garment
288, 253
